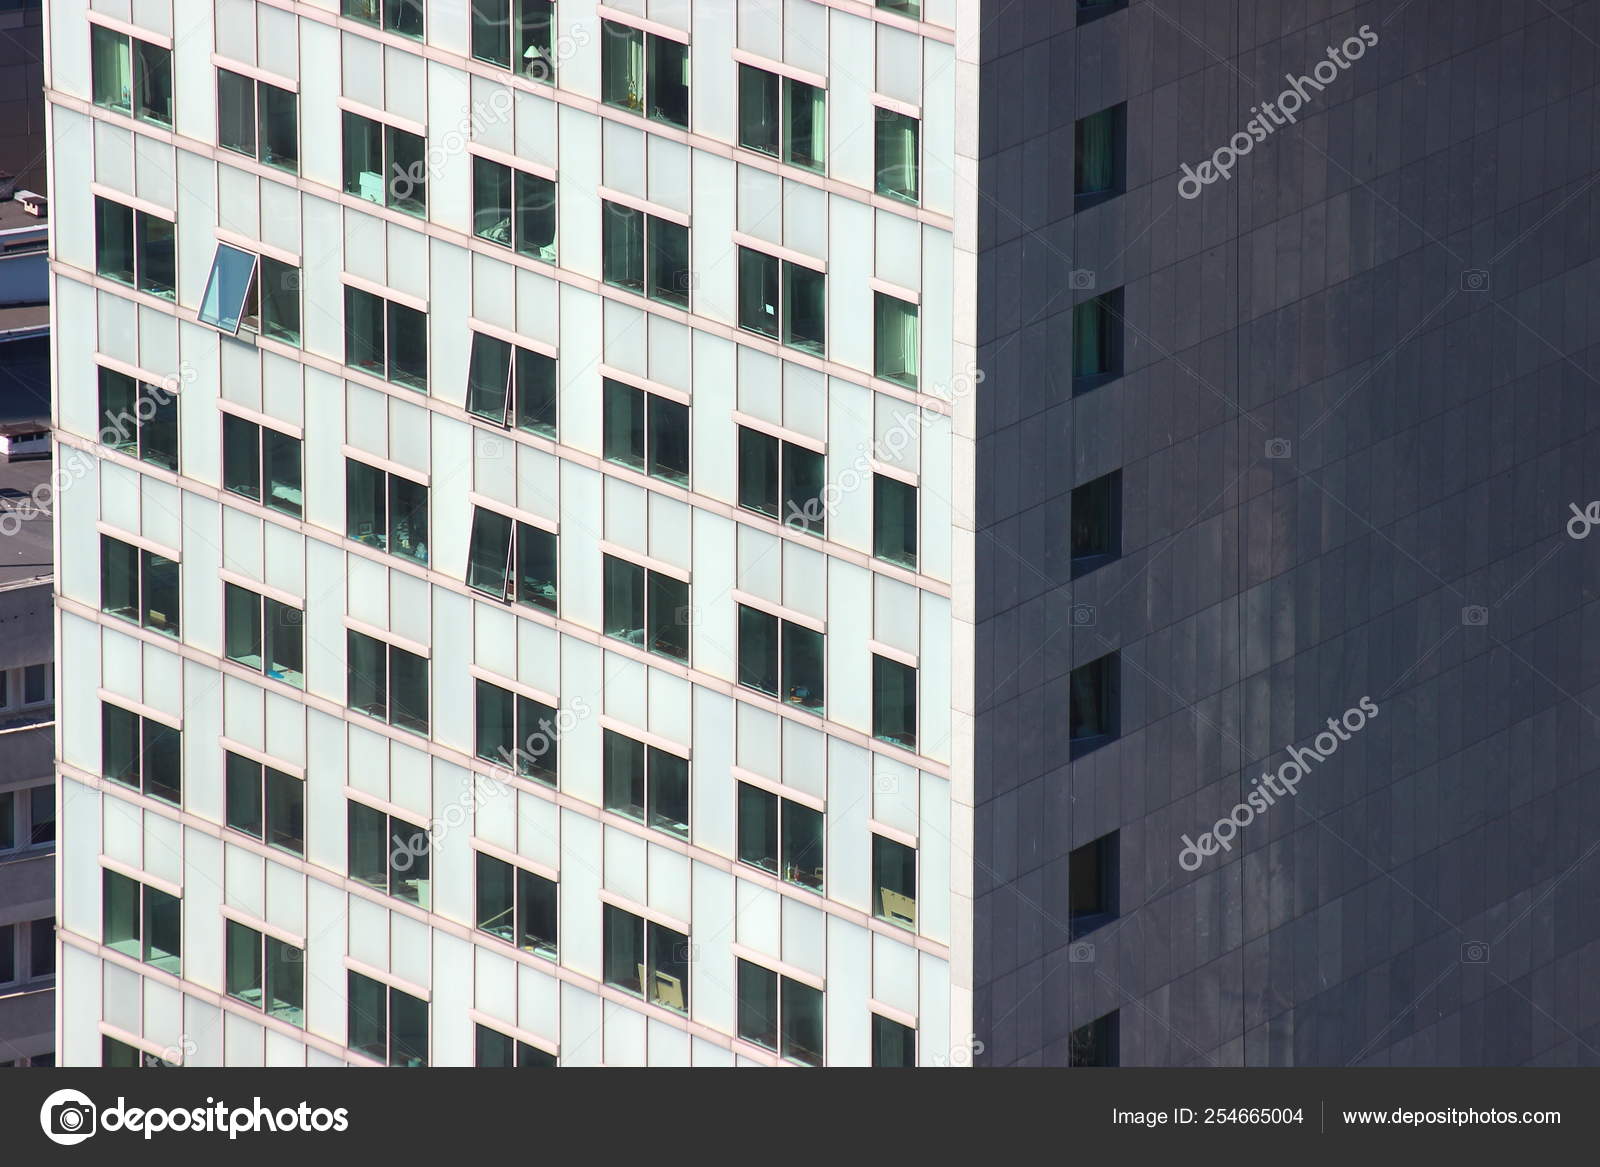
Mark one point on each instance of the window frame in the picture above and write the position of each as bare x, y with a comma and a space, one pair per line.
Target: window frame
384, 540
1107, 310
547, 948
675, 286
883, 115
883, 303
391, 139
651, 416
291, 617
881, 665
808, 516
782, 271
171, 962
893, 910
522, 1055
540, 57
396, 832
516, 179
1104, 491
651, 584
880, 545
519, 359
263, 786
1117, 184
641, 91
650, 757
263, 496
1098, 862
144, 558
137, 81
162, 395
258, 116
879, 1021
396, 367
393, 1049
649, 933
266, 1002
422, 726
387, 15
23, 804
783, 1042
252, 316
513, 591
143, 751
1108, 679
782, 632
139, 240
529, 764
782, 124
784, 868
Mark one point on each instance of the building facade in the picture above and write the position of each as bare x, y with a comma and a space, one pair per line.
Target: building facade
513, 566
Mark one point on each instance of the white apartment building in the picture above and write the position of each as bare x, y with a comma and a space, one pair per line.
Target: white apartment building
514, 556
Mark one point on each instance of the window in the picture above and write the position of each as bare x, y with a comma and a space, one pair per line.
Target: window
385, 165
511, 385
1093, 693
895, 156
8, 953
783, 117
387, 682
115, 1054
1095, 1044
386, 1024
1094, 9
386, 511
517, 905
142, 753
782, 480
894, 873
264, 634
786, 301
894, 1046
647, 609
1097, 341
139, 585
779, 1014
514, 209
1100, 150
131, 75
254, 292
1096, 523
36, 685
265, 803
644, 73
646, 784
139, 419
262, 464
780, 836
512, 560
141, 922
8, 818
386, 339
27, 817
647, 959
516, 34
646, 432
390, 854
41, 815
1093, 876
517, 732
258, 120
895, 347
398, 16
894, 702
135, 248
496, 1051
645, 254
266, 972
894, 521
42, 947
782, 659
911, 8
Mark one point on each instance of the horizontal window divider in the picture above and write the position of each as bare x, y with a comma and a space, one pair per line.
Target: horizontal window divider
892, 1012
384, 292
899, 655
228, 575
512, 512
778, 251
109, 864
265, 759
514, 161
167, 1053
383, 116
261, 419
149, 712
776, 786
169, 382
898, 473
366, 798
513, 337
895, 105
634, 907
495, 851
762, 604
657, 388
898, 291
394, 639
505, 1028
139, 541
783, 433
377, 462
265, 927
645, 206
112, 194
640, 559
351, 964
256, 72
773, 964
479, 673
654, 27
129, 29
665, 744
782, 68
245, 243
894, 834
639, 300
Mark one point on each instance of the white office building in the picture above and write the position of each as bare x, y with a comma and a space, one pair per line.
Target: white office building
514, 560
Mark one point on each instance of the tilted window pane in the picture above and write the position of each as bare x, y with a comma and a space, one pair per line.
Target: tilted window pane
669, 616
363, 157
491, 201
624, 775
408, 689
804, 481
670, 278
669, 793
368, 675
894, 702
489, 553
113, 241
279, 285
536, 393
282, 457
112, 67
160, 584
286, 796
758, 109
496, 897
157, 256
802, 655
366, 503
279, 111
802, 845
536, 567
669, 440
668, 77
805, 308
408, 346
758, 292
364, 345
244, 794
758, 650
805, 127
119, 578
896, 155
624, 425
622, 66
894, 521
408, 518
489, 378
536, 216
624, 601
622, 246
242, 626
285, 647
758, 828
236, 112
758, 1005
152, 74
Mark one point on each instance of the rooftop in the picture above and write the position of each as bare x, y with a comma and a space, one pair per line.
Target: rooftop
26, 550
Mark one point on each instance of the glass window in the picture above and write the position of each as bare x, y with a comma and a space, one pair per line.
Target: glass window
670, 277
152, 79
780, 1014
758, 828
363, 158
894, 702
758, 292
233, 271
624, 775
236, 112
1099, 147
35, 684
387, 1024
388, 683
158, 578
139, 419
398, 16
113, 241
634, 64
41, 816
120, 914
42, 947
516, 732
389, 854
894, 874
668, 979
624, 954
805, 124
782, 480
1097, 341
138, 585
800, 308
515, 34
894, 1046
895, 155
1096, 523
1095, 1044
800, 858
911, 8
496, 1051
646, 432
489, 554
364, 344
408, 519
264, 634
759, 117
622, 246
265, 803
622, 66
894, 521
243, 977
535, 385
244, 794
386, 511
646, 784
163, 931
408, 346
261, 464
242, 626
8, 820
285, 811
1093, 699
647, 609
758, 1005
801, 127
408, 691
517, 905
155, 256
667, 76
119, 578
141, 753
896, 336
8, 953
508, 385
385, 165
1093, 878
278, 111
782, 659
110, 63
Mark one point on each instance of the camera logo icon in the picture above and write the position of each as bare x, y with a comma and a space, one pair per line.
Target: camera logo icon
1082, 615
1279, 448
1474, 280
1475, 616
68, 1117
